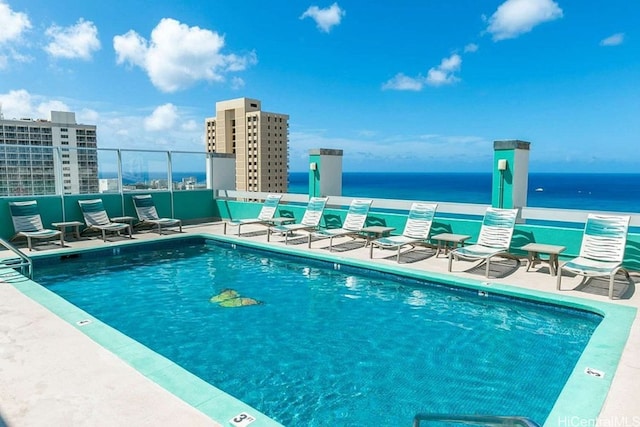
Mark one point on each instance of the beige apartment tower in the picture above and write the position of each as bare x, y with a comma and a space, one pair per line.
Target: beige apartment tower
258, 139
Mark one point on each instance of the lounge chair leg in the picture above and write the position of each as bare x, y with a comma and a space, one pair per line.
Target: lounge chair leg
486, 272
450, 261
611, 280
371, 250
398, 255
309, 241
224, 228
559, 278
29, 244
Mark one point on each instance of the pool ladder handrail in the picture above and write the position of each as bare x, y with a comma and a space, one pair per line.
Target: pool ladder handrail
23, 264
484, 420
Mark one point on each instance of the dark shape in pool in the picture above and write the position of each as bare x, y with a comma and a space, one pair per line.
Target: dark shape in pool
231, 298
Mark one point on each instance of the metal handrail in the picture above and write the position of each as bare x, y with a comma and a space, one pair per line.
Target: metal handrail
24, 263
485, 420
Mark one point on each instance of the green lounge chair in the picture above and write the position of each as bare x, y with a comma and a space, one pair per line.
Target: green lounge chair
602, 249
96, 218
147, 214
353, 223
28, 223
267, 212
416, 229
494, 239
310, 219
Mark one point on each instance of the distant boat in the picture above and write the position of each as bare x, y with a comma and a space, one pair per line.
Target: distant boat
539, 189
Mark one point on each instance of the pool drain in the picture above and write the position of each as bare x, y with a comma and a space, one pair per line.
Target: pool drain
83, 322
594, 372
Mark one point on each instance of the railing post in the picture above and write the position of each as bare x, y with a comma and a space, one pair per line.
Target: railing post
170, 180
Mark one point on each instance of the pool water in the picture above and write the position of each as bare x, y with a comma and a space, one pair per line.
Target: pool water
330, 347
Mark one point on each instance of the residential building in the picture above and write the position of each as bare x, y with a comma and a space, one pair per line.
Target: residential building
259, 141
31, 151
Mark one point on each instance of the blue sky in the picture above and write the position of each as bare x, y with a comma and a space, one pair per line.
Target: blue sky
399, 86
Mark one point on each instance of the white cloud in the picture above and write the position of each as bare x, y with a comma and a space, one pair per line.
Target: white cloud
403, 82
177, 56
18, 104
443, 74
237, 83
163, 117
398, 152
46, 107
12, 24
190, 125
87, 115
76, 41
516, 17
613, 40
471, 47
325, 18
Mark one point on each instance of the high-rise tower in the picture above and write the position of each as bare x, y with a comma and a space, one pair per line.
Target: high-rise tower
258, 139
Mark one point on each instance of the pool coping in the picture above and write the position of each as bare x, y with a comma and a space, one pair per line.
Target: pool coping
582, 396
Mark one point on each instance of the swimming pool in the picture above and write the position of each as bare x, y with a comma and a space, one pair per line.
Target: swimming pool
328, 346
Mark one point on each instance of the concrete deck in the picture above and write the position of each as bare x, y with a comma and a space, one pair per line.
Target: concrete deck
52, 374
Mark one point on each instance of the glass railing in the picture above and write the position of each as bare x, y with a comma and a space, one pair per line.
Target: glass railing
41, 171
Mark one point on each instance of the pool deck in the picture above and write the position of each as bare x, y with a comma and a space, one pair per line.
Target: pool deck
53, 374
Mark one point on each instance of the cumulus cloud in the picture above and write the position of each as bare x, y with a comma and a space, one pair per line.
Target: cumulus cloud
443, 74
17, 104
13, 25
177, 56
77, 41
163, 117
613, 40
403, 82
325, 18
516, 17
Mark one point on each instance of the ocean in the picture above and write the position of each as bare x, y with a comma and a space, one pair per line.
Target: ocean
603, 192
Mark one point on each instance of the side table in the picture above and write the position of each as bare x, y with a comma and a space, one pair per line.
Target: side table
62, 226
535, 249
444, 239
375, 231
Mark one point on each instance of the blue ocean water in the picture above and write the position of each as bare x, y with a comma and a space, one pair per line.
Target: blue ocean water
606, 192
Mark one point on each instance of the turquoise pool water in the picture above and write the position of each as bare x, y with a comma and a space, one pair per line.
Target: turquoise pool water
330, 347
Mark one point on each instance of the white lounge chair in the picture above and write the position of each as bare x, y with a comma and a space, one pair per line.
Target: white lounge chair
28, 223
353, 223
602, 250
96, 218
267, 212
494, 239
310, 219
416, 229
147, 214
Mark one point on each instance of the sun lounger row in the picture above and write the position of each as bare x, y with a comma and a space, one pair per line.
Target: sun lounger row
601, 253
27, 221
